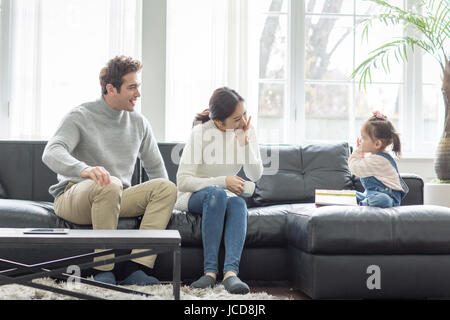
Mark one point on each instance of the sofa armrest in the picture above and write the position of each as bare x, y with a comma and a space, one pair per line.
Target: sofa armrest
415, 184
2, 192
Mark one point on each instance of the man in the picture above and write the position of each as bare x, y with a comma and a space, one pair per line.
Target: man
94, 153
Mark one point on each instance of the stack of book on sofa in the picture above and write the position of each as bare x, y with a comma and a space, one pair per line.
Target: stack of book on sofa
336, 198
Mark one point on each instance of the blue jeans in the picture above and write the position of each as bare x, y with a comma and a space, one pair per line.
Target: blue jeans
219, 211
375, 199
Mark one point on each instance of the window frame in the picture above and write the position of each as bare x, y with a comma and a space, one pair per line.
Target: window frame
287, 125
411, 118
4, 64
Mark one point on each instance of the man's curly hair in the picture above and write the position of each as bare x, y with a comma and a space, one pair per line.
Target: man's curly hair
116, 69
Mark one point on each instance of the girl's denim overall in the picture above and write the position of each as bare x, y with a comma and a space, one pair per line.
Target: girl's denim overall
379, 195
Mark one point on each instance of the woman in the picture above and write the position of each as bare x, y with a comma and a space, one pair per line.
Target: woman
221, 143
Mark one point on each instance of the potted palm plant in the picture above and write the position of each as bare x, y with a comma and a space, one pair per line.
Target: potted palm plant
428, 25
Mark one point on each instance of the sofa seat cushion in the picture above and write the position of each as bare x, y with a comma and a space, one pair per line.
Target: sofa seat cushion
36, 214
367, 230
266, 227
2, 192
292, 174
27, 214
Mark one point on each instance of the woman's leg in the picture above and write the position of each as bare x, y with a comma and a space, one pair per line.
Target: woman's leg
235, 233
211, 204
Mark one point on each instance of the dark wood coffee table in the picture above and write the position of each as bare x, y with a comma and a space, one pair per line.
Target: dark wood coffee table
156, 241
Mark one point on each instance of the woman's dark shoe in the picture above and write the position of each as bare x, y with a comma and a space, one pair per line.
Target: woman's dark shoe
204, 282
234, 285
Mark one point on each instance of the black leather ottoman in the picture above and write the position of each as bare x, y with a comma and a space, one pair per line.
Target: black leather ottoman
368, 253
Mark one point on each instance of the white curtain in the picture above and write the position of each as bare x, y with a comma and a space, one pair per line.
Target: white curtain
58, 50
204, 52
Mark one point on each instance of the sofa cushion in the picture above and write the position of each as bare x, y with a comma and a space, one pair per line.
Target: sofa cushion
369, 230
26, 176
27, 214
266, 227
2, 192
292, 174
35, 214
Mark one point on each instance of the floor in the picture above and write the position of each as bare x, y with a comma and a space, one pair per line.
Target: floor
278, 289
275, 288
282, 292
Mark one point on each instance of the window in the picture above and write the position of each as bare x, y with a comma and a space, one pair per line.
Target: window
198, 60
334, 108
57, 49
269, 23
297, 57
4, 40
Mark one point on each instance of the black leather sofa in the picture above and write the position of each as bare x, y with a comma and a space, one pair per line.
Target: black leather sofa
327, 252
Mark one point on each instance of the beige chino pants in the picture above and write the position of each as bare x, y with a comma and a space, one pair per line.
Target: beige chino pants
87, 203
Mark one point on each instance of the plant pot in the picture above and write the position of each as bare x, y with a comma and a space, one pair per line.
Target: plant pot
442, 163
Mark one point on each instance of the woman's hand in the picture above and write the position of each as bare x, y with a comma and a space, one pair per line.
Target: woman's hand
247, 124
235, 184
241, 133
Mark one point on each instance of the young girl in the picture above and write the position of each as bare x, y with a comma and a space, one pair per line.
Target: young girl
378, 171
221, 144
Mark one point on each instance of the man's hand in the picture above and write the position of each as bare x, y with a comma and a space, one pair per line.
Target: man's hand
98, 174
235, 184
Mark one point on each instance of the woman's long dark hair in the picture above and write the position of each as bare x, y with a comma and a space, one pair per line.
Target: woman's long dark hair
222, 105
384, 130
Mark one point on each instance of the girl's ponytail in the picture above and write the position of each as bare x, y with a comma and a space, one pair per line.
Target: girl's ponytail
397, 147
202, 117
379, 127
222, 105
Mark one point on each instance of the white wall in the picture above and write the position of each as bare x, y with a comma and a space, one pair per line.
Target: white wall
154, 60
423, 167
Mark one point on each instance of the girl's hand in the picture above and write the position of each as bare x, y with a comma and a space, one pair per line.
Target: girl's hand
235, 184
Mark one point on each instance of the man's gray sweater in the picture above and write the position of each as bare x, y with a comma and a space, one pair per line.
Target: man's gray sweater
95, 135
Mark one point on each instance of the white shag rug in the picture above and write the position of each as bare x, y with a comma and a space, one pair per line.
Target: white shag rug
159, 292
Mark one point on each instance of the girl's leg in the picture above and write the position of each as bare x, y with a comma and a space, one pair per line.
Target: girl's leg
380, 200
360, 198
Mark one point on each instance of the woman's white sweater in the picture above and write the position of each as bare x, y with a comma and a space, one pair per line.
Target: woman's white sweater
211, 155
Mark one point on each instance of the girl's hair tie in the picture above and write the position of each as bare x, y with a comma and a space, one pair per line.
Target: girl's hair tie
379, 115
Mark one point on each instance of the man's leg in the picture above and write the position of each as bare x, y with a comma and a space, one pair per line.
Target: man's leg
155, 200
87, 203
